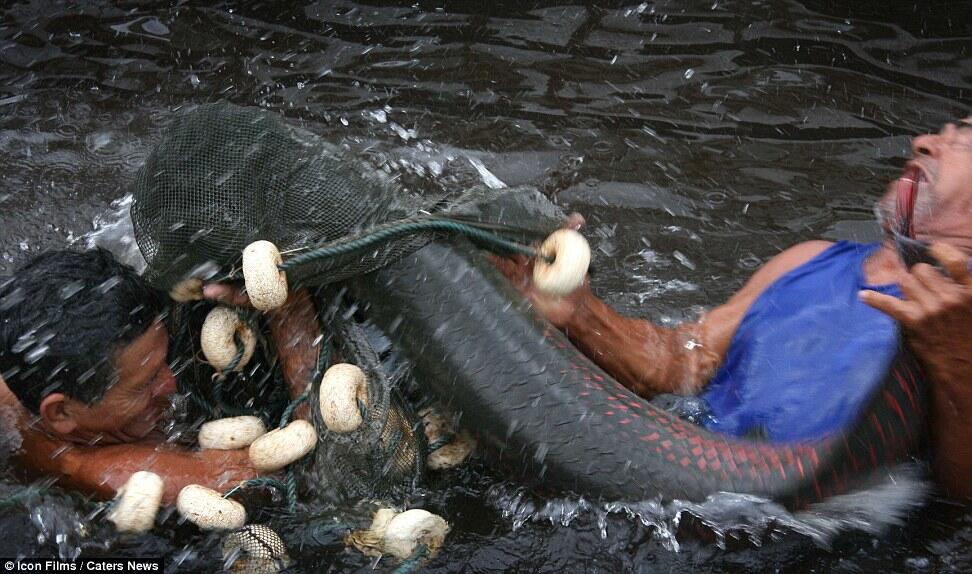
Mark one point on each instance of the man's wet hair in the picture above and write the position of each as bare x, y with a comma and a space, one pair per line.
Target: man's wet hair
63, 317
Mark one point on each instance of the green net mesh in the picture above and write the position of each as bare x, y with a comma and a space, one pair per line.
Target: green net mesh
224, 176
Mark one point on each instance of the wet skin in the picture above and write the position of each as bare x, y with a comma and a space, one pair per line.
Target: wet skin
131, 407
96, 448
934, 315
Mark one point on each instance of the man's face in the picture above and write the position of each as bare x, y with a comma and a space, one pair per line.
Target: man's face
132, 407
941, 171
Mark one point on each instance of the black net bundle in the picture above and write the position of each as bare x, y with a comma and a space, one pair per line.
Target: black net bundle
224, 176
386, 453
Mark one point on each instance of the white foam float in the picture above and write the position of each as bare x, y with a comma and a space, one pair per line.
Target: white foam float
280, 447
411, 528
217, 339
230, 433
208, 510
451, 454
266, 284
342, 386
400, 533
571, 257
137, 503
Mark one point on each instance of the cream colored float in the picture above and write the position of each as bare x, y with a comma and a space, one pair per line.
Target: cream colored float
280, 447
137, 503
209, 510
454, 452
342, 386
266, 284
219, 331
401, 533
570, 257
255, 549
230, 433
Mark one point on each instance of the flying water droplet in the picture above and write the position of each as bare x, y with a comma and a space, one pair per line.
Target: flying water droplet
683, 259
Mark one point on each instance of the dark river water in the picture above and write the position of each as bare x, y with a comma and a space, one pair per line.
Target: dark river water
699, 138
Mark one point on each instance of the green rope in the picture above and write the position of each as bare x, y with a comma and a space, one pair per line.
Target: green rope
240, 351
289, 411
259, 482
362, 409
414, 561
221, 406
20, 497
292, 488
441, 442
344, 246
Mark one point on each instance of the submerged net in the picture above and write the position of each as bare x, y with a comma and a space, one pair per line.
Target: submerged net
224, 176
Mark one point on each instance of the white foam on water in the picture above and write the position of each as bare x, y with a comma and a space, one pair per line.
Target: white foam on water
489, 179
887, 503
115, 232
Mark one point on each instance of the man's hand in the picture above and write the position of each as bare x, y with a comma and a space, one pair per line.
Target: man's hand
936, 318
519, 270
936, 314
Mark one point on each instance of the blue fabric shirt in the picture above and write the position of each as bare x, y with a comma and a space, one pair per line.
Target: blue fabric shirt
808, 354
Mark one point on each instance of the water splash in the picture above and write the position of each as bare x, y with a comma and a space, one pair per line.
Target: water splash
871, 511
114, 231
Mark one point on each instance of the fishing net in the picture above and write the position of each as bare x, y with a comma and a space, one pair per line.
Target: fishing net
255, 549
387, 451
223, 176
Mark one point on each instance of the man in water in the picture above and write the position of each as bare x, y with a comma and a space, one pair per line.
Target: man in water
83, 353
817, 314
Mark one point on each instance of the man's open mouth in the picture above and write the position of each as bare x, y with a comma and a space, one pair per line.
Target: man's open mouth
908, 186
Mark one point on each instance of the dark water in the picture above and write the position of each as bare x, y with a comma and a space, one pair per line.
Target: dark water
699, 139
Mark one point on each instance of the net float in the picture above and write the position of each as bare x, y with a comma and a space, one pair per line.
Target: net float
282, 446
561, 263
231, 433
218, 339
456, 448
342, 386
208, 509
266, 284
137, 503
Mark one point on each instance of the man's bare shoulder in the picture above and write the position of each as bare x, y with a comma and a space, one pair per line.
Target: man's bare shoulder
795, 256
786, 261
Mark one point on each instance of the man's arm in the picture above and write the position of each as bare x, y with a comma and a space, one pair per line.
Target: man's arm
936, 316
647, 358
100, 471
